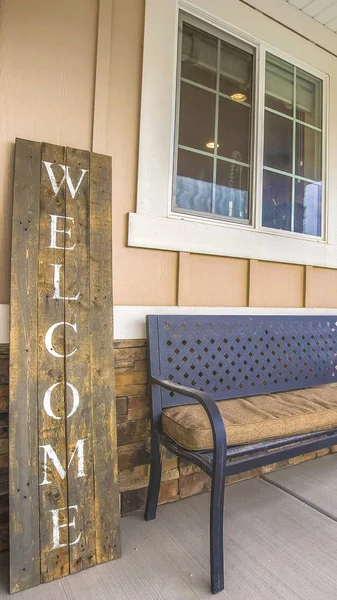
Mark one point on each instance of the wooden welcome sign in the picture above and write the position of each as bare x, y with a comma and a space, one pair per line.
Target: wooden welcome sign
64, 510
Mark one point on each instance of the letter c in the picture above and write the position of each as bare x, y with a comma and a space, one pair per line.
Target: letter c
49, 342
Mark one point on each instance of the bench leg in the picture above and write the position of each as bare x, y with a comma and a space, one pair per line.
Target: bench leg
216, 531
155, 476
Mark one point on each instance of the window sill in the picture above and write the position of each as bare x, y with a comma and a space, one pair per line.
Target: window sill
221, 239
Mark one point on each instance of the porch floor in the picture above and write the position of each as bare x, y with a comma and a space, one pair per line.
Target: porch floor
280, 542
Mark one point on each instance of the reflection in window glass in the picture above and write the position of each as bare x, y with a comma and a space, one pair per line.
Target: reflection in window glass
199, 56
234, 130
292, 144
308, 201
279, 85
308, 152
278, 142
308, 99
215, 125
236, 72
214, 134
194, 131
277, 190
231, 195
194, 181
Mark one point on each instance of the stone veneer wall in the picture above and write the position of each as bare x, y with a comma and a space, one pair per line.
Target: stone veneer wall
179, 479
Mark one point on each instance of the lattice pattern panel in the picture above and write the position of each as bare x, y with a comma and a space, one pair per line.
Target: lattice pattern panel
230, 356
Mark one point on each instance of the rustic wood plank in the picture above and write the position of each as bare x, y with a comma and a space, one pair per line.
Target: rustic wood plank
4, 398
4, 368
102, 362
79, 425
23, 450
52, 431
74, 423
4, 446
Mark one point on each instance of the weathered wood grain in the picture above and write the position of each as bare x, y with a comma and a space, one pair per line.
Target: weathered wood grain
79, 425
102, 362
51, 370
23, 448
65, 481
4, 398
4, 368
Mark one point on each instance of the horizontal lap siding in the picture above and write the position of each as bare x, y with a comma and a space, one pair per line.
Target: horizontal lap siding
47, 55
276, 284
58, 70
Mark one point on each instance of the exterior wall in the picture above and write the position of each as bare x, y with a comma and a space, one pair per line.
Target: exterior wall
47, 92
47, 89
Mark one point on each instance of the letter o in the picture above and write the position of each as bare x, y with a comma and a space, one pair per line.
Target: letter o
47, 400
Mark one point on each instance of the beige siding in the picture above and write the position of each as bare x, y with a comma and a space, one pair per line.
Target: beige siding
47, 85
47, 68
321, 287
276, 284
212, 281
147, 277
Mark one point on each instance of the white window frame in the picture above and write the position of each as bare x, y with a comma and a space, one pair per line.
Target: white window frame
155, 224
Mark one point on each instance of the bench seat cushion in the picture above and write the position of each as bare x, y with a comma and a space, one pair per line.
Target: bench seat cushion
255, 418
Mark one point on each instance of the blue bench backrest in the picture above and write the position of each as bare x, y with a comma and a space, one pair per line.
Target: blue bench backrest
233, 356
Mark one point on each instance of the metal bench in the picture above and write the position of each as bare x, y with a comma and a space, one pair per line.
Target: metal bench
207, 359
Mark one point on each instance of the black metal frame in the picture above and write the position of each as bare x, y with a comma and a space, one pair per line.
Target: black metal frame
219, 462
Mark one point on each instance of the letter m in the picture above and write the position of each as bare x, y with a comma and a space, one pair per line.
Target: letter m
49, 453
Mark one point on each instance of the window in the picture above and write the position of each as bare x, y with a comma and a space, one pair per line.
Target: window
215, 142
237, 145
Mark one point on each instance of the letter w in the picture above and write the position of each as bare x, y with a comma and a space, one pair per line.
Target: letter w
49, 452
66, 176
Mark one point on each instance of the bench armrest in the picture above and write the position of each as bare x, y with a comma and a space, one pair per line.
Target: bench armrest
210, 406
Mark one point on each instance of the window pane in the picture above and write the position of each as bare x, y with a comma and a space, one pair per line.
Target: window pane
236, 72
278, 142
279, 85
231, 194
276, 208
295, 148
194, 181
197, 117
308, 152
308, 207
309, 98
199, 56
214, 124
234, 130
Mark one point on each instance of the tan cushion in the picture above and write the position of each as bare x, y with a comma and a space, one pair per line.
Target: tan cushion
256, 418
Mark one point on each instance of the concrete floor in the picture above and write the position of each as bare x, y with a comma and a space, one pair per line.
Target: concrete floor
280, 542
